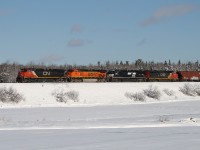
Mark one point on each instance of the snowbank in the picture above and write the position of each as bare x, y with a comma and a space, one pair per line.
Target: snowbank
91, 94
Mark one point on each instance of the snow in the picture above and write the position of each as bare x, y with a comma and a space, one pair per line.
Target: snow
91, 94
103, 118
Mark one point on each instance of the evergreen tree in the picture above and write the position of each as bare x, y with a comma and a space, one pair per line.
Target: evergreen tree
169, 62
179, 62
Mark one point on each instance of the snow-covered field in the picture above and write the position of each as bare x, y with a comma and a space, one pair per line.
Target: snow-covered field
102, 118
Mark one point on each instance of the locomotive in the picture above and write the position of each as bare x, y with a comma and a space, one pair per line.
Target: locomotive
125, 75
41, 75
161, 75
78, 75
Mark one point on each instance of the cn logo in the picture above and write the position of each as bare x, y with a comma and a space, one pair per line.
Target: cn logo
46, 73
162, 74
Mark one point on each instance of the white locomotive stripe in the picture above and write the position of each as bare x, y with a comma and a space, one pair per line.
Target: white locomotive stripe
33, 72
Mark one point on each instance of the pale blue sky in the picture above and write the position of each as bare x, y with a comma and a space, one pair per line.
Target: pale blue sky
87, 31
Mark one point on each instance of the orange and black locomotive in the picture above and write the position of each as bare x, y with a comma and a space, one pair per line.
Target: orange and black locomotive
41, 75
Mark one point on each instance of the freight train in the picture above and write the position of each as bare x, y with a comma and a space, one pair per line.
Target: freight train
79, 75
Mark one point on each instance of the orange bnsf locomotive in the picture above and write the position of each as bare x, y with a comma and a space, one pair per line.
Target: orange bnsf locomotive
78, 75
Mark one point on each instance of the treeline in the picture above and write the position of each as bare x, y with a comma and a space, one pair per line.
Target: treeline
8, 71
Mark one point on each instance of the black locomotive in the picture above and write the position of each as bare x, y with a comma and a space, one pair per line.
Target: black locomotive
125, 75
